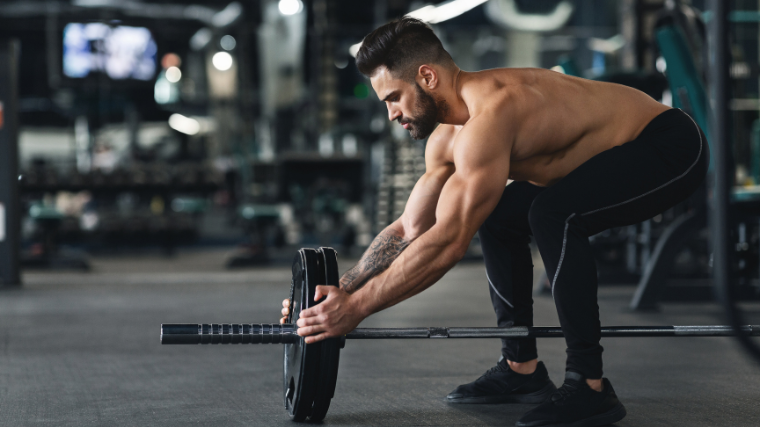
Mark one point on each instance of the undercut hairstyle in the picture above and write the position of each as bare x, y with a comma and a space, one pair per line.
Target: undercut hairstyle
402, 46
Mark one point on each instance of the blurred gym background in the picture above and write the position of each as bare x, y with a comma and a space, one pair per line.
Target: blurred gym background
162, 161
243, 129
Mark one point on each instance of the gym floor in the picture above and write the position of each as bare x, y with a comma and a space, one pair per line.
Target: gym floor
83, 350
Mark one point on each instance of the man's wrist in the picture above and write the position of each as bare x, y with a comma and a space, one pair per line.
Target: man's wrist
358, 304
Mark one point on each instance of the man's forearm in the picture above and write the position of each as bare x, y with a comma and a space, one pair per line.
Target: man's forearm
386, 247
429, 257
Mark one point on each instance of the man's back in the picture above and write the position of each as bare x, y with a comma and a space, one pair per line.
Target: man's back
557, 122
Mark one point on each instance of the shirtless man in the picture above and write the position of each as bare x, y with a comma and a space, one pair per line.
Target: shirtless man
584, 156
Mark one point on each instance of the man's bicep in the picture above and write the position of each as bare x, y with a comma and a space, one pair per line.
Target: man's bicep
472, 193
465, 203
419, 213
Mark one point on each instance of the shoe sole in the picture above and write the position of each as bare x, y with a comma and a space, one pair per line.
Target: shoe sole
614, 415
535, 397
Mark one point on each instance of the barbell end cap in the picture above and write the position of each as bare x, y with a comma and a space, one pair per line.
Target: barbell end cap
180, 333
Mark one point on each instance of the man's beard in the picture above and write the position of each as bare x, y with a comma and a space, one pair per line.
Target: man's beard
427, 114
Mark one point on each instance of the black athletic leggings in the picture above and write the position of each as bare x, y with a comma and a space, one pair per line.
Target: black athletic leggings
624, 185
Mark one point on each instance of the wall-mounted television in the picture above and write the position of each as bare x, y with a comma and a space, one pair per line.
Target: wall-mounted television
119, 51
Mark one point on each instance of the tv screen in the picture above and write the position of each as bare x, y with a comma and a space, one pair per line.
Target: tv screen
121, 52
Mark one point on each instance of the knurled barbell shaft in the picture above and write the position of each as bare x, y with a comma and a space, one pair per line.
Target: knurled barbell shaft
274, 333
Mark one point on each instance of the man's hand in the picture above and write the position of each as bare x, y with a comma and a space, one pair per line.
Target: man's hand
333, 317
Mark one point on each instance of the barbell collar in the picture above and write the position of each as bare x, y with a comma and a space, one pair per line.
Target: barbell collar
274, 333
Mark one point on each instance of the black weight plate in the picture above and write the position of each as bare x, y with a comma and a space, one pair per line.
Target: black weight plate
301, 361
330, 352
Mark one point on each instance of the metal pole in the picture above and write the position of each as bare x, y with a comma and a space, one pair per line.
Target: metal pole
720, 218
10, 221
247, 333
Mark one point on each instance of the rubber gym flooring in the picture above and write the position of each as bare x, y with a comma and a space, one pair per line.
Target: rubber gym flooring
83, 350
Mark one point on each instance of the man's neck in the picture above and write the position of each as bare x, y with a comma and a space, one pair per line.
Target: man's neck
458, 113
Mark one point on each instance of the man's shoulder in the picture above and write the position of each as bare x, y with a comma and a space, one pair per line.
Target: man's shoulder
438, 146
488, 90
443, 133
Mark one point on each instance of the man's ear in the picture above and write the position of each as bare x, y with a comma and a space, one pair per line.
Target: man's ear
427, 76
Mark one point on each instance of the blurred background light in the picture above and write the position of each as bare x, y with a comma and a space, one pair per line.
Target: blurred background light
361, 91
222, 61
660, 64
349, 145
200, 39
444, 11
354, 49
170, 60
290, 7
173, 74
228, 42
186, 125
433, 14
507, 13
228, 15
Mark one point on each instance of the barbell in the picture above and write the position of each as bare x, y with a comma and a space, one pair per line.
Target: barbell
310, 371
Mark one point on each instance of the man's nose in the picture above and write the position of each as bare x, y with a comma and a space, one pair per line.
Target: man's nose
393, 114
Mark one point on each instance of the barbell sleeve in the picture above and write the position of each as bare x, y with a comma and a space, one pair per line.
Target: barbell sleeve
228, 333
274, 333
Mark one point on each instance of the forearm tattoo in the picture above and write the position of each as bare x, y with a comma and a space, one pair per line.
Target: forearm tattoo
386, 247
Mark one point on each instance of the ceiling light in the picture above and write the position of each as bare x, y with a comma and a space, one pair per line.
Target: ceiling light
433, 14
444, 11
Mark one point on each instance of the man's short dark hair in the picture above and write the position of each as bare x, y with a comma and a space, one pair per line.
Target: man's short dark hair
402, 46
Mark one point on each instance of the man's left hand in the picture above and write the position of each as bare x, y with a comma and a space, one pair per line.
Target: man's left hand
333, 317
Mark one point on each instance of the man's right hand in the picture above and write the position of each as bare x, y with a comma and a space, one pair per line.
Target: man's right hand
285, 310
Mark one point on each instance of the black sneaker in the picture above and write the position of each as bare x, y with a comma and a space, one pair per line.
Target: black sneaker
503, 385
575, 404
